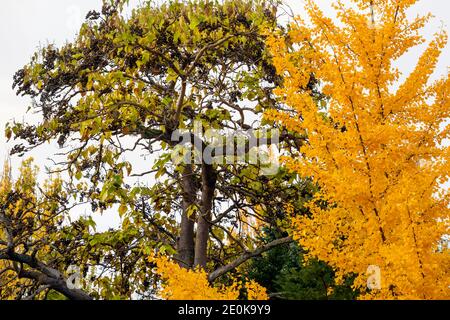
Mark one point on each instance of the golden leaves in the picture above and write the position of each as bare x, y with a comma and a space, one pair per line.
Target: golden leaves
186, 284
376, 153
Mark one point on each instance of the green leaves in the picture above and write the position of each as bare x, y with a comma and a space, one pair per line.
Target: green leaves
113, 95
8, 132
172, 75
78, 175
192, 210
166, 249
112, 189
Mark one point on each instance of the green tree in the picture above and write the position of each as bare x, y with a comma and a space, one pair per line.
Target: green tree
123, 89
284, 274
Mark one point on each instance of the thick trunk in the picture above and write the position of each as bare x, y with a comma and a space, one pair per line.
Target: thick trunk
209, 177
186, 242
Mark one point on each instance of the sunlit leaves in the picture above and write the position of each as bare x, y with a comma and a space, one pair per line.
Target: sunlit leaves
183, 284
373, 150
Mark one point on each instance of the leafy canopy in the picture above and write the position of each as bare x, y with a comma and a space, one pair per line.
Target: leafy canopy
376, 147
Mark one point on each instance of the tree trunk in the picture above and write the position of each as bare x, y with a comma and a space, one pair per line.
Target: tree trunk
186, 241
209, 177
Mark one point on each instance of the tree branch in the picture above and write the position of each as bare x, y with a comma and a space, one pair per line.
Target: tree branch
204, 49
246, 256
180, 102
45, 275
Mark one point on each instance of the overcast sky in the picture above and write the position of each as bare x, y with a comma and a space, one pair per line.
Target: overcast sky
25, 24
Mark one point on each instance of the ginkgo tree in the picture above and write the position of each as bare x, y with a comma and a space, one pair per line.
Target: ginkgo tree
377, 145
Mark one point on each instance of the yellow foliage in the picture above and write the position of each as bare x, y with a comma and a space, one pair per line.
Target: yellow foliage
186, 284
29, 211
376, 148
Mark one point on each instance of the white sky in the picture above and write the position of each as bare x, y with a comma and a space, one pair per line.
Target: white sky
25, 24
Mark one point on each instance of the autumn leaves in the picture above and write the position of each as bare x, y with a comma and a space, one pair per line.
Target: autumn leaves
364, 155
382, 176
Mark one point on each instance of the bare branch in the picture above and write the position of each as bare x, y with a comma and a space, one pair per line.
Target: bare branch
246, 256
45, 275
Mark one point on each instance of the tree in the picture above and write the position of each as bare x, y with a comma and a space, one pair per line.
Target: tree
125, 88
314, 280
284, 273
376, 147
29, 219
40, 244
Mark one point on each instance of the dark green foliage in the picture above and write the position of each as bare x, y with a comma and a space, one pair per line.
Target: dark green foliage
282, 272
314, 281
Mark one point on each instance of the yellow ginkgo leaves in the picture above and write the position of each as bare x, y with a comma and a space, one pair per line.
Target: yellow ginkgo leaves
375, 151
186, 284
